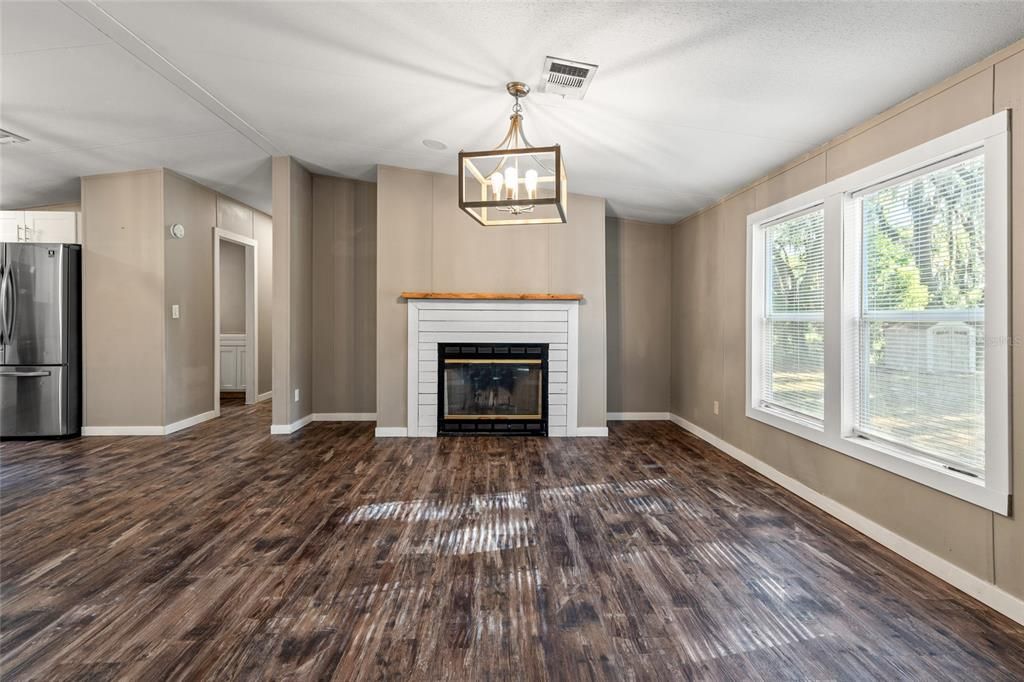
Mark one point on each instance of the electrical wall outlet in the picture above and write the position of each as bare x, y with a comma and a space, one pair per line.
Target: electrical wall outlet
175, 312
716, 407
296, 395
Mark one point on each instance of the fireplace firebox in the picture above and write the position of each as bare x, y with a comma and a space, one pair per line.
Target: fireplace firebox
492, 388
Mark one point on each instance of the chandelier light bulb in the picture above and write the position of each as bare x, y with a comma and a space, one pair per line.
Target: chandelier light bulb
530, 180
512, 182
496, 182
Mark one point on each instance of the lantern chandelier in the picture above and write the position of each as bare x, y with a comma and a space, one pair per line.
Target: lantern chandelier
515, 183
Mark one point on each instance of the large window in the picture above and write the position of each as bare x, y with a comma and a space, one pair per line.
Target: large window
794, 316
920, 380
879, 314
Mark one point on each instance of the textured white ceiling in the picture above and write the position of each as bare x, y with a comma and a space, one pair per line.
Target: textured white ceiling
692, 100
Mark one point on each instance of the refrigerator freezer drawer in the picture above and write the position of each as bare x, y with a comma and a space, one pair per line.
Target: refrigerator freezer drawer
33, 401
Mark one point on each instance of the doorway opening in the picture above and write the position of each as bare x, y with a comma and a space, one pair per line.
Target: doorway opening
235, 319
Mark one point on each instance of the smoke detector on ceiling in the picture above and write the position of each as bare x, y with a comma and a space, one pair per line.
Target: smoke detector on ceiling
566, 78
7, 137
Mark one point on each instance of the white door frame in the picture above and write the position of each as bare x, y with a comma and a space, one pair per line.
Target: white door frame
251, 316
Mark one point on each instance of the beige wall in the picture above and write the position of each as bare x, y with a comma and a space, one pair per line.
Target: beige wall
708, 330
344, 295
188, 283
426, 243
697, 326
293, 291
235, 216
1008, 533
188, 265
123, 299
405, 217
133, 272
639, 272
232, 288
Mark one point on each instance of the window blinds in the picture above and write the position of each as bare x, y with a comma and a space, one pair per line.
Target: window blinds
793, 336
919, 335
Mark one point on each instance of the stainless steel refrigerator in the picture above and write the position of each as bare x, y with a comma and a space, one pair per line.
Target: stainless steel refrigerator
40, 340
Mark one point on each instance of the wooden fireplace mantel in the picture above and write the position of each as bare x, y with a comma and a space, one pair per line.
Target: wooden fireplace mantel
477, 296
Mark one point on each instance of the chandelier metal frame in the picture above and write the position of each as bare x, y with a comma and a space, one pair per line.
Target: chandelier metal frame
507, 210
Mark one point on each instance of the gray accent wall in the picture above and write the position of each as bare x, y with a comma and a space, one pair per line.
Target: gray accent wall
639, 290
292, 188
344, 295
708, 331
263, 229
426, 243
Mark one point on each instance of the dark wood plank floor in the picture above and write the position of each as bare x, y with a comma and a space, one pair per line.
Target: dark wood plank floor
223, 553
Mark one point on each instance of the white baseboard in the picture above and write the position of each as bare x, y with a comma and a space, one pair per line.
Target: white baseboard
191, 421
980, 589
122, 430
591, 431
390, 432
637, 416
148, 430
344, 416
285, 429
264, 396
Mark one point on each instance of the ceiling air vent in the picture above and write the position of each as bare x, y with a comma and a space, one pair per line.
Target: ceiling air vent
7, 137
566, 78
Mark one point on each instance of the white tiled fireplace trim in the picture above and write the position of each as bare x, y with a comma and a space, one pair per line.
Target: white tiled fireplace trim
555, 323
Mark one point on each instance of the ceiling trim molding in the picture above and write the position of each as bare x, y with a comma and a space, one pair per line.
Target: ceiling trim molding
141, 50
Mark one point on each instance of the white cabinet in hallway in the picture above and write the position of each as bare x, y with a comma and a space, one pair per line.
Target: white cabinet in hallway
232, 362
60, 227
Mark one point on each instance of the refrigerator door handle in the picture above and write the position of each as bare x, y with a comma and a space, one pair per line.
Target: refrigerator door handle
40, 373
5, 322
3, 304
10, 294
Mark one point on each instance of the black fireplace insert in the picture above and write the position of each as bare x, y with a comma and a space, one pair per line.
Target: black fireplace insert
492, 388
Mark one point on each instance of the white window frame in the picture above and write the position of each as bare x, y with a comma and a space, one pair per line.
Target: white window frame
793, 316
842, 309
759, 273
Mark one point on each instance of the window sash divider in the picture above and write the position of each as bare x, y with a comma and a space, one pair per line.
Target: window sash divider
936, 315
795, 317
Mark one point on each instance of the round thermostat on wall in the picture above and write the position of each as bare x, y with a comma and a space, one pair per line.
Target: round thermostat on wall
178, 231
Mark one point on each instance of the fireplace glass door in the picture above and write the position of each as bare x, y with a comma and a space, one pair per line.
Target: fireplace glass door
492, 388
485, 389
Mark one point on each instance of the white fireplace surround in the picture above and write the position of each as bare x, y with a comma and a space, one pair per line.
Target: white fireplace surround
555, 323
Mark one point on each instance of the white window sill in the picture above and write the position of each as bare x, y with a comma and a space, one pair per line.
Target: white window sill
918, 470
805, 428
